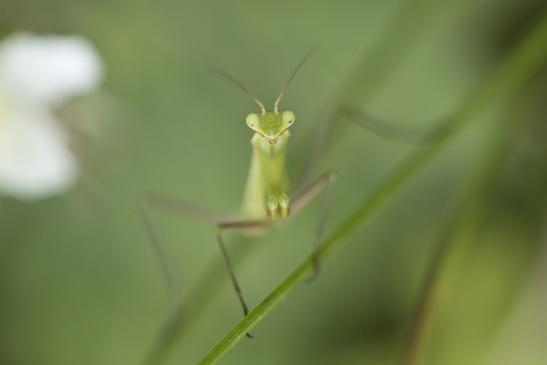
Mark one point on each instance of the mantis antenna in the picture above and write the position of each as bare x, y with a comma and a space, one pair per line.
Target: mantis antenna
278, 100
245, 90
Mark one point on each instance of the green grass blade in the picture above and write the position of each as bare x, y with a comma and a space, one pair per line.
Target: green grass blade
504, 80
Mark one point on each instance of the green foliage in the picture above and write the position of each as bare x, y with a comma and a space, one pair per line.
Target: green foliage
79, 281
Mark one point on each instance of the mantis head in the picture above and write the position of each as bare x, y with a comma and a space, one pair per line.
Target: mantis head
269, 125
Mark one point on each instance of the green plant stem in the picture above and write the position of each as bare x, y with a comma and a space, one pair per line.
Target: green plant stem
504, 80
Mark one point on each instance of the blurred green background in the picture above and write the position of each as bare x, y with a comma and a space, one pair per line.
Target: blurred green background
79, 282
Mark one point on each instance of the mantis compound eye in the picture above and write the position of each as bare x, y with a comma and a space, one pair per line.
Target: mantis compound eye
288, 117
252, 120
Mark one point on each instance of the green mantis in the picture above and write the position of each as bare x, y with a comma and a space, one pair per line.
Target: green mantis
266, 193
267, 197
504, 80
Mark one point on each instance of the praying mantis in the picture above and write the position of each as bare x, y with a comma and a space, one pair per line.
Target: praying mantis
267, 197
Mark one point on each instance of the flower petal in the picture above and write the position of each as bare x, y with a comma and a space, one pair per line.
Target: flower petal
35, 160
47, 69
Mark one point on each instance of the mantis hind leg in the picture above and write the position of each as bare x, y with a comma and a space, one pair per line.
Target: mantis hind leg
162, 251
375, 125
222, 223
380, 127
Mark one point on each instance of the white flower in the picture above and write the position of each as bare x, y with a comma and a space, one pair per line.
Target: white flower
37, 74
